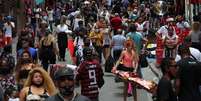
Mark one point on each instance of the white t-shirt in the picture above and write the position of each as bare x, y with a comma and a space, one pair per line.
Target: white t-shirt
163, 31
8, 29
195, 52
63, 28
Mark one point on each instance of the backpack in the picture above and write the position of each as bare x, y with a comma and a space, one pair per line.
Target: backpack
9, 58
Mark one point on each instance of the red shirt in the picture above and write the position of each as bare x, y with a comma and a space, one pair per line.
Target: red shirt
2, 41
116, 23
90, 74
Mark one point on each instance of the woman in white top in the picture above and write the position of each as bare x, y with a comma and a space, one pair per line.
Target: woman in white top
62, 38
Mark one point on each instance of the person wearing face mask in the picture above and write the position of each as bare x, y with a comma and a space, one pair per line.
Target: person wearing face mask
23, 67
38, 86
26, 47
65, 82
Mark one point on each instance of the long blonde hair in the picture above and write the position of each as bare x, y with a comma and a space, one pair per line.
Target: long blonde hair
129, 43
47, 40
47, 84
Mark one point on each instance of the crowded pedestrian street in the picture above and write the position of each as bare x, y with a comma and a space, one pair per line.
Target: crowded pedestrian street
100, 50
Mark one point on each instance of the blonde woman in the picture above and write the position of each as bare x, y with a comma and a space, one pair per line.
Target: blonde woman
48, 50
129, 59
37, 84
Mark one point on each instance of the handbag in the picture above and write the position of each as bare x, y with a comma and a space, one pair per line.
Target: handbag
109, 64
143, 60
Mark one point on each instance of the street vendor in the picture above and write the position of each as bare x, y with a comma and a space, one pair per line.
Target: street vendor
129, 58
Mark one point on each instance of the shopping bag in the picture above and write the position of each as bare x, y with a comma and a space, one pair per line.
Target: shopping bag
109, 64
68, 57
143, 60
71, 46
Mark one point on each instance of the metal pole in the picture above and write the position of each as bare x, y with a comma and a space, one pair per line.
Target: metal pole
187, 10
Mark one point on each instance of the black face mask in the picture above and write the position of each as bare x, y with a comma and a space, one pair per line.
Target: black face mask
25, 61
67, 90
4, 70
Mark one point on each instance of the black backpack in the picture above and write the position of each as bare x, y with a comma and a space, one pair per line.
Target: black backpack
9, 58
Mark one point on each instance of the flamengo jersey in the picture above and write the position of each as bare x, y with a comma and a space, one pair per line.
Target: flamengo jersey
90, 74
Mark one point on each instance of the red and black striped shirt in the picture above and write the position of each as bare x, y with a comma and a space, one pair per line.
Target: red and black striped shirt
90, 74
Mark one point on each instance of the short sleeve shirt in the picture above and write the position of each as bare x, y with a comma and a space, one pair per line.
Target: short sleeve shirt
163, 31
118, 41
165, 91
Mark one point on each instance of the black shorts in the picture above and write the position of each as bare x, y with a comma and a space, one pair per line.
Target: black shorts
106, 46
125, 69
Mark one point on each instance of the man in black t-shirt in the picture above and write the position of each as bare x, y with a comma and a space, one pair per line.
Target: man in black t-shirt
165, 90
188, 77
